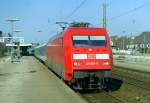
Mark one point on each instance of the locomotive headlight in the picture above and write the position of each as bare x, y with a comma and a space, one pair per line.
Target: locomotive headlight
105, 63
76, 63
79, 56
102, 56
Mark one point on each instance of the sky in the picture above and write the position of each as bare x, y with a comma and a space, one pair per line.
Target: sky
38, 17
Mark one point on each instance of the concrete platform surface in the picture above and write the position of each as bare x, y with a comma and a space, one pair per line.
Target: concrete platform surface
29, 81
6, 58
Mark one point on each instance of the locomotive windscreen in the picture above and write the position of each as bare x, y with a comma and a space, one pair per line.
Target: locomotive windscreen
88, 40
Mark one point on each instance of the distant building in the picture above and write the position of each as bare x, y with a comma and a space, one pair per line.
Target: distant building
139, 43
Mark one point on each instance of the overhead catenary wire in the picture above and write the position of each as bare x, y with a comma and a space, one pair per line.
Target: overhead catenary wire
76, 9
130, 11
72, 13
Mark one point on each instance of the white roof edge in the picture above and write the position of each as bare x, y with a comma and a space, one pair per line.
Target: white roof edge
20, 44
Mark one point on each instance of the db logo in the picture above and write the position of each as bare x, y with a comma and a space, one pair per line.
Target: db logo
91, 56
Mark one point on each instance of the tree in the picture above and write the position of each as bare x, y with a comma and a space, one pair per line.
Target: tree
3, 49
1, 33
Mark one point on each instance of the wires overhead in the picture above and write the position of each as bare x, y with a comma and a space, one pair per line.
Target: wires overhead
130, 11
76, 9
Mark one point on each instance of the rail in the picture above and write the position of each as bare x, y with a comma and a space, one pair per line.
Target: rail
132, 81
103, 97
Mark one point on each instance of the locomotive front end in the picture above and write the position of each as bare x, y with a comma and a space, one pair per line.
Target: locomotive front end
91, 58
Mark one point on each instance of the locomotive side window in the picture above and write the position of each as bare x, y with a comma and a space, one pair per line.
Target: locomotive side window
89, 40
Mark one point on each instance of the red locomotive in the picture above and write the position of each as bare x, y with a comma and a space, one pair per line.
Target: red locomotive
81, 56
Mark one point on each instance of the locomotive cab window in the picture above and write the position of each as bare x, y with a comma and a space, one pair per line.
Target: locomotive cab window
89, 40
80, 40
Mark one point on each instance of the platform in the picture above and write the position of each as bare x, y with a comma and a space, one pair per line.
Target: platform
6, 58
29, 81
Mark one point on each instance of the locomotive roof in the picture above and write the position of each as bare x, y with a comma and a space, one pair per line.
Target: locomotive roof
55, 37
70, 28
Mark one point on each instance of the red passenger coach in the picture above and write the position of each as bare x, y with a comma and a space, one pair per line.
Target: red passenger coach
81, 56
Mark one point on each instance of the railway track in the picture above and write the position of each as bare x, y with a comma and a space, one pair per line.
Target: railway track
131, 80
120, 95
129, 83
103, 97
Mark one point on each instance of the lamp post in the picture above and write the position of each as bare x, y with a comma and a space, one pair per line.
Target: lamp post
144, 42
18, 42
123, 40
17, 32
12, 21
104, 14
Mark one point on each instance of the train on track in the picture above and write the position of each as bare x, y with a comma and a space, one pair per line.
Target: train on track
80, 55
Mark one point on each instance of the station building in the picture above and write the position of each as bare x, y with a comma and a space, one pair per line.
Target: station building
15, 42
139, 43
